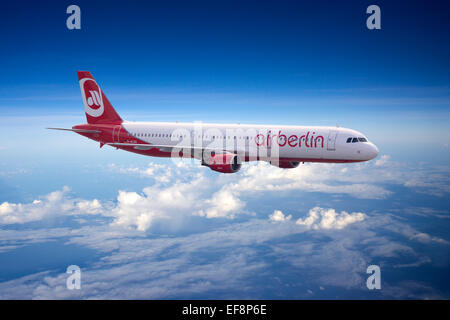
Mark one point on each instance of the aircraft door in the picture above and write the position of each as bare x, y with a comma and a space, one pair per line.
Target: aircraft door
331, 142
116, 133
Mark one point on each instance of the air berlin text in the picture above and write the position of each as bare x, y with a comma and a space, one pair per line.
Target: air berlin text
307, 140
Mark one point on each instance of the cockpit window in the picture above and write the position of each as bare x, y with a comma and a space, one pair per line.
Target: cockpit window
354, 140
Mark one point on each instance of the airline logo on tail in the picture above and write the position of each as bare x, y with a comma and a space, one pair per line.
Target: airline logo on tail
92, 97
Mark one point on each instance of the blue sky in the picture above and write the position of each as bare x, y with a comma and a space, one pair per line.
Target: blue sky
294, 63
65, 201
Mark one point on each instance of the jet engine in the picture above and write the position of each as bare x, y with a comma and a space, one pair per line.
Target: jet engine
224, 162
285, 164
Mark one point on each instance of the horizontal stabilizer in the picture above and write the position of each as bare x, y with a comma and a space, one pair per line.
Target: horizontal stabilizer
77, 130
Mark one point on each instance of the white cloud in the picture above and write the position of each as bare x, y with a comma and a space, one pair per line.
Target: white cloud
90, 207
413, 234
156, 203
277, 215
429, 180
382, 160
320, 218
357, 180
151, 170
175, 201
56, 203
262, 177
223, 203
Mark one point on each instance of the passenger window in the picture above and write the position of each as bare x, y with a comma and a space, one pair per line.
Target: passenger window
355, 140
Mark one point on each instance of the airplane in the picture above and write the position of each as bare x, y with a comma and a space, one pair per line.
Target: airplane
221, 147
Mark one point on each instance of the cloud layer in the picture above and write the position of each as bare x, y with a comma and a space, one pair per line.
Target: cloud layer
185, 189
225, 240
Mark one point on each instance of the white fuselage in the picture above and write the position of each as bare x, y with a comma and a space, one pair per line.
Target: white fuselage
259, 142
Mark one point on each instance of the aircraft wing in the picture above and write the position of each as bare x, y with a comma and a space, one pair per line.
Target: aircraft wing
164, 148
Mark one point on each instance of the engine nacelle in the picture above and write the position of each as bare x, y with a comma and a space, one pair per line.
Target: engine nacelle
285, 164
224, 162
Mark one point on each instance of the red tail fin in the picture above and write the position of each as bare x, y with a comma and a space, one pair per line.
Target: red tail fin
96, 105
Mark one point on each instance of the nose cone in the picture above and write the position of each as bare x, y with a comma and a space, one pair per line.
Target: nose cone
372, 151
